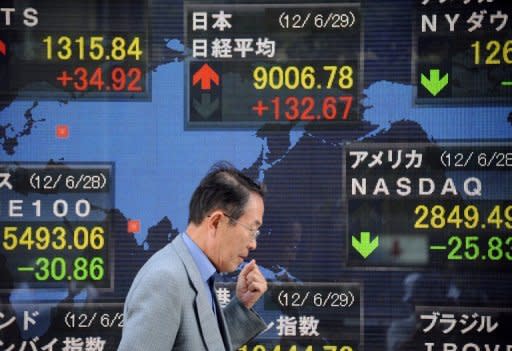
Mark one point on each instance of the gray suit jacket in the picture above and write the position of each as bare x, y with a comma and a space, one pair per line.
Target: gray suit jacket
167, 308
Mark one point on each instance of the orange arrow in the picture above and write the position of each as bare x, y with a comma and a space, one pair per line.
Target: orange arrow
3, 48
206, 75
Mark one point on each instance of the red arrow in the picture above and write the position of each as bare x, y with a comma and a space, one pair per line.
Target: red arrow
205, 75
3, 48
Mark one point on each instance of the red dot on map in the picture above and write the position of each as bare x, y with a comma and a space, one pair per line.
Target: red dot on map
133, 226
62, 131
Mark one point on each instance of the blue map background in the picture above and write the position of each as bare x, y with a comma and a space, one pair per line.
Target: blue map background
148, 143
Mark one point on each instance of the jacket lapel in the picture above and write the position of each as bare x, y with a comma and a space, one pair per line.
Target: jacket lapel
222, 323
206, 318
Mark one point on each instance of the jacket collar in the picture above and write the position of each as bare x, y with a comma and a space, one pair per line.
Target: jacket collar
211, 331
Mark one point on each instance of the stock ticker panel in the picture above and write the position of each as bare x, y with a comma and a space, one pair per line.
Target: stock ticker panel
463, 51
442, 205
55, 215
53, 50
254, 64
382, 130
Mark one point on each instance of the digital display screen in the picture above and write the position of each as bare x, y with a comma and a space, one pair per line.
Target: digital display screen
382, 130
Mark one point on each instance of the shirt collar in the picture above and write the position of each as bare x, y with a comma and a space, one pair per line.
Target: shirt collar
205, 267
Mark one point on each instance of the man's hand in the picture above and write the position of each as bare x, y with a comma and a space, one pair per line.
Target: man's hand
250, 285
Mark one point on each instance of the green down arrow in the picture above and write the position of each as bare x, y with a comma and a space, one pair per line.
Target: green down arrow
364, 246
433, 84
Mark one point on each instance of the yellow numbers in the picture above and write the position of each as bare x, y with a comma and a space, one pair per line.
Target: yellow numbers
289, 78
346, 81
65, 51
276, 79
134, 49
81, 47
437, 213
477, 55
26, 239
495, 53
95, 48
344, 75
437, 217
307, 77
260, 347
500, 217
56, 238
467, 216
454, 217
495, 217
48, 42
60, 238
332, 75
118, 49
507, 212
42, 238
472, 217
83, 238
10, 240
293, 77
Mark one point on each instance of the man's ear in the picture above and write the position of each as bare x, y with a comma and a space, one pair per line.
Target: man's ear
214, 220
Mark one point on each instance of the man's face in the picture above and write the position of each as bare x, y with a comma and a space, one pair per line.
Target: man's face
235, 240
